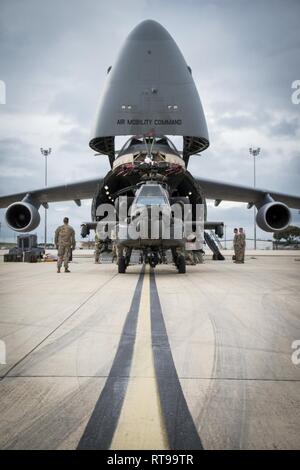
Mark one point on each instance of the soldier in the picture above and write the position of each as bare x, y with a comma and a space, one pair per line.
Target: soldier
235, 243
65, 242
239, 244
114, 244
98, 246
242, 242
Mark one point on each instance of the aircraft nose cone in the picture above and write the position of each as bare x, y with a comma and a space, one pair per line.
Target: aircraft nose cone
150, 91
149, 30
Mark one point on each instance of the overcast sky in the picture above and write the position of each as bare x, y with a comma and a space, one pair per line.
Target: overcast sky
54, 56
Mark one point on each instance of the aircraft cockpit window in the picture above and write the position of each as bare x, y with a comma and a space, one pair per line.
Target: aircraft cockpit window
151, 201
151, 196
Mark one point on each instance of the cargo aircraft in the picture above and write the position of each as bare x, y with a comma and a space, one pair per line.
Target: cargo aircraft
150, 95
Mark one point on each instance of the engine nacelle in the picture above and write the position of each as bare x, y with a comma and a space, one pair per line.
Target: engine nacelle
273, 216
22, 216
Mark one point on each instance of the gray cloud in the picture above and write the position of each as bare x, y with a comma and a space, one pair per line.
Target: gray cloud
286, 128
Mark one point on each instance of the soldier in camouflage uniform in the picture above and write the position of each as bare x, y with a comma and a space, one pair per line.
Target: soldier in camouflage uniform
235, 244
98, 246
242, 240
239, 244
114, 244
64, 242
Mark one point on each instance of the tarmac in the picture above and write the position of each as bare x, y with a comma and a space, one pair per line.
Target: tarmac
151, 359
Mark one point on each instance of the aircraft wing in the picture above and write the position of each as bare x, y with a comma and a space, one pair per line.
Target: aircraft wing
67, 192
232, 192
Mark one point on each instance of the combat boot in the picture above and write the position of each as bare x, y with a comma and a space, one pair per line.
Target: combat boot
67, 270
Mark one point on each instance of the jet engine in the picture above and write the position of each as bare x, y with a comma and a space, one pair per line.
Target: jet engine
273, 216
22, 216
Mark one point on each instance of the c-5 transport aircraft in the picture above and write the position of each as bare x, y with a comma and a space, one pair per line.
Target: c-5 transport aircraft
150, 94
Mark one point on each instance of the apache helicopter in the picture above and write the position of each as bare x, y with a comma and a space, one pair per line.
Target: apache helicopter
150, 94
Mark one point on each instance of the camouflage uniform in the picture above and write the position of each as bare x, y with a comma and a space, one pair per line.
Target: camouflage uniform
114, 245
98, 246
239, 244
236, 245
65, 242
242, 238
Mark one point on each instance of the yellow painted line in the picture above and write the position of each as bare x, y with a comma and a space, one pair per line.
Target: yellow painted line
141, 424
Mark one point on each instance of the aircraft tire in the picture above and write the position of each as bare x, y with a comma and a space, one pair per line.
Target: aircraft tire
122, 265
181, 265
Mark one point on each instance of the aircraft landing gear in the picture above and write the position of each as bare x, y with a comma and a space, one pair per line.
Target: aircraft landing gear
179, 260
152, 257
181, 265
121, 265
124, 260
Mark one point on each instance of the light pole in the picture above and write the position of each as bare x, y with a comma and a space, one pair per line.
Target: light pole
45, 153
254, 152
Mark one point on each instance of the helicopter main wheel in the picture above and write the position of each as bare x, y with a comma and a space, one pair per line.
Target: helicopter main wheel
122, 265
181, 265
